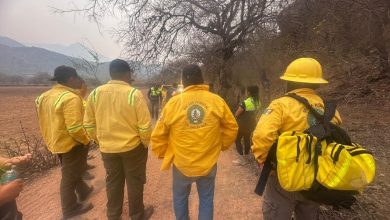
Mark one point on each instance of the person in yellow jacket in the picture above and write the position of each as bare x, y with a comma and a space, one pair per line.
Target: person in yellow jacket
193, 129
60, 114
117, 117
303, 76
83, 93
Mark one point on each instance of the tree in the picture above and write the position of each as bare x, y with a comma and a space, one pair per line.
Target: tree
88, 67
162, 29
41, 78
172, 71
11, 79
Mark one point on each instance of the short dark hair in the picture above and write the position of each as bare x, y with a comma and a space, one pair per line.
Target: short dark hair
63, 73
118, 68
298, 85
192, 75
253, 90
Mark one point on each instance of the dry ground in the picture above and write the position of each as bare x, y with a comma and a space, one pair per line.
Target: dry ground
368, 124
17, 108
234, 197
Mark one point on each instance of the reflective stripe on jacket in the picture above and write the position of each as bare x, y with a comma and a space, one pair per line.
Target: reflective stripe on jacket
285, 114
117, 117
60, 114
193, 129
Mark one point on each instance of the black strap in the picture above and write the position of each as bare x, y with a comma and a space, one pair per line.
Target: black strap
354, 148
317, 150
306, 103
267, 168
260, 187
298, 149
337, 154
333, 148
309, 143
358, 152
329, 109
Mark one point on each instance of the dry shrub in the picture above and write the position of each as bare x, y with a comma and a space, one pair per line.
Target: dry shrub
42, 159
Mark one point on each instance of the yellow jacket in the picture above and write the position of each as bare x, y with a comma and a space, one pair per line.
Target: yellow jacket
117, 117
285, 114
60, 114
193, 129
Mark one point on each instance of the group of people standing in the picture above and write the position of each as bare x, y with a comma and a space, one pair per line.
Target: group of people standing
192, 130
159, 96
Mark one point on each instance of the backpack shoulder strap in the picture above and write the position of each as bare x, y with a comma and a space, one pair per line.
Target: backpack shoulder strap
306, 103
329, 108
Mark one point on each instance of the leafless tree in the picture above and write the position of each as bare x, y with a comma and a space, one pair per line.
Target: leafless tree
89, 67
162, 29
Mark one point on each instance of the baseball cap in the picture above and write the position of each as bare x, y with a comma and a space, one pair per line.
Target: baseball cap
63, 73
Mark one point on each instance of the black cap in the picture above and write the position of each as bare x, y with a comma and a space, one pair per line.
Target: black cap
63, 73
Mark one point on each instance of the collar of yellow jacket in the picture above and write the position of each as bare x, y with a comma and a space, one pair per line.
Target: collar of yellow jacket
303, 91
196, 88
62, 87
118, 82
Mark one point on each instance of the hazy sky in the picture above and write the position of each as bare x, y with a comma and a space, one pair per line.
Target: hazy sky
33, 21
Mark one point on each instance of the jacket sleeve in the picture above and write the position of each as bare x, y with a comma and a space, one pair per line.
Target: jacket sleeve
73, 116
89, 116
143, 119
229, 127
266, 132
160, 135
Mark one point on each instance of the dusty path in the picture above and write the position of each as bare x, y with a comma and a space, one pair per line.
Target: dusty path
234, 197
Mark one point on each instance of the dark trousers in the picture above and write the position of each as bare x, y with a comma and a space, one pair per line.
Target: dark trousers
129, 166
73, 164
243, 133
280, 204
155, 106
9, 211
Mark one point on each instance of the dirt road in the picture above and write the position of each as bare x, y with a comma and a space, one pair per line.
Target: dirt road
40, 199
234, 197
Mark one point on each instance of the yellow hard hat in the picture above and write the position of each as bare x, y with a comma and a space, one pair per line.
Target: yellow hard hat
304, 70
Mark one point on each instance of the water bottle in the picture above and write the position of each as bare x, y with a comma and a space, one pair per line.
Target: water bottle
9, 175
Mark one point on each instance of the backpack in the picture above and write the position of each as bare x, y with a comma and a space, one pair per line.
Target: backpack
325, 166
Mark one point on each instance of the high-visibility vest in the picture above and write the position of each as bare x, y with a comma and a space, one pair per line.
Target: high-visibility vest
251, 105
154, 92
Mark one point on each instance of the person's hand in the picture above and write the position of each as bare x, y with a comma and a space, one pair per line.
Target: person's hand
18, 160
10, 191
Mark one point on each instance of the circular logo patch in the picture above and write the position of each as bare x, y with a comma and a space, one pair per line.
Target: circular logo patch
195, 114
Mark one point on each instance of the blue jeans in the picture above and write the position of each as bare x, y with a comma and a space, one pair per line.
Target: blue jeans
181, 191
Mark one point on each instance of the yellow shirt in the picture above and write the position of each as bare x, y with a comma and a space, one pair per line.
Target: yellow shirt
117, 117
60, 114
193, 129
285, 114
